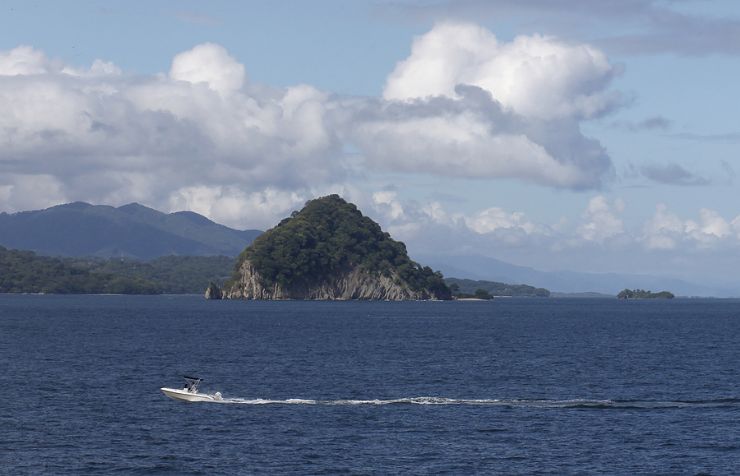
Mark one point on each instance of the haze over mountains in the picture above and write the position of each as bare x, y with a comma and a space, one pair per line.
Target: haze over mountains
131, 231
564, 281
135, 231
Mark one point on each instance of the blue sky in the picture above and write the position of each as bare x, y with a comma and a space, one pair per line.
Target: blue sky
588, 135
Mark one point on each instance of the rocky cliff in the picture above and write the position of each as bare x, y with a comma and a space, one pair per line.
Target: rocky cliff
354, 284
213, 292
330, 251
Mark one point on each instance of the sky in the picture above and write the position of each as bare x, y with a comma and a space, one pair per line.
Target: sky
588, 135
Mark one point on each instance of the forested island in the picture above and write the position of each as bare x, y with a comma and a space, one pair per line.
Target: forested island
27, 272
643, 294
469, 288
330, 250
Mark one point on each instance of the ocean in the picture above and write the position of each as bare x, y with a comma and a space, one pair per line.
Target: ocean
510, 386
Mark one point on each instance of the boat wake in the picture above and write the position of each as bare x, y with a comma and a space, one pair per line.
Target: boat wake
526, 403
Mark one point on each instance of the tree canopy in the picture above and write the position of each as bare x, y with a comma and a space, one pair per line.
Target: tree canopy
26, 272
643, 294
330, 236
469, 288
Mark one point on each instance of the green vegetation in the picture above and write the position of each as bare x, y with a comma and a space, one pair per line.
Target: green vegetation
642, 294
26, 272
328, 237
482, 294
172, 274
463, 288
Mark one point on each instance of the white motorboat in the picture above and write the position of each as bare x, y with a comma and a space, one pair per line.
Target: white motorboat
190, 392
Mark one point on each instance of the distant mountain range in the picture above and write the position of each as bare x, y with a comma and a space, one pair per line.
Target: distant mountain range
138, 232
131, 231
485, 268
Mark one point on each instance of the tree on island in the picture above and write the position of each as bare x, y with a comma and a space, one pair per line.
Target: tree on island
478, 294
325, 241
483, 294
643, 294
467, 288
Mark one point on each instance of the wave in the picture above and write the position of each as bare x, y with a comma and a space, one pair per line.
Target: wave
526, 403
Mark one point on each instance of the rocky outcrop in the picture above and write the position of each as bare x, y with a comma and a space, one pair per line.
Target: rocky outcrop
330, 251
354, 284
214, 292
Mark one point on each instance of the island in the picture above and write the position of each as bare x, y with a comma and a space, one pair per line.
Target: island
330, 251
642, 294
480, 289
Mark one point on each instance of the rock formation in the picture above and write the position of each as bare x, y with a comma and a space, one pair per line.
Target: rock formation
355, 284
214, 292
330, 251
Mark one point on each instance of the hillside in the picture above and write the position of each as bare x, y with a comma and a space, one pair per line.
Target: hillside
172, 274
329, 250
25, 272
132, 231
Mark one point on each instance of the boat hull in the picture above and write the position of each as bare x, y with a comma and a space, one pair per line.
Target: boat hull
185, 396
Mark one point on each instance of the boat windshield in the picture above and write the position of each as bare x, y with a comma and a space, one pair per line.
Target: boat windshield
191, 383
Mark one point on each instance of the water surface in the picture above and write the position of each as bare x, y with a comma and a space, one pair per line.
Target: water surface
509, 386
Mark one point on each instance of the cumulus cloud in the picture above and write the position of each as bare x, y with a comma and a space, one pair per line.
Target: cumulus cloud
464, 104
107, 137
457, 138
29, 192
602, 220
431, 225
534, 76
663, 230
667, 231
210, 64
387, 200
232, 206
601, 235
495, 218
203, 133
23, 60
710, 227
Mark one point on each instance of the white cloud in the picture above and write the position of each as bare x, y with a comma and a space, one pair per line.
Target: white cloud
602, 220
235, 207
472, 136
667, 231
465, 104
709, 228
210, 64
387, 201
29, 192
495, 218
663, 230
110, 138
204, 133
534, 76
23, 60
422, 224
463, 145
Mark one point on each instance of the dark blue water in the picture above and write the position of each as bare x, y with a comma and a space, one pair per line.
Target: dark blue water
510, 386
